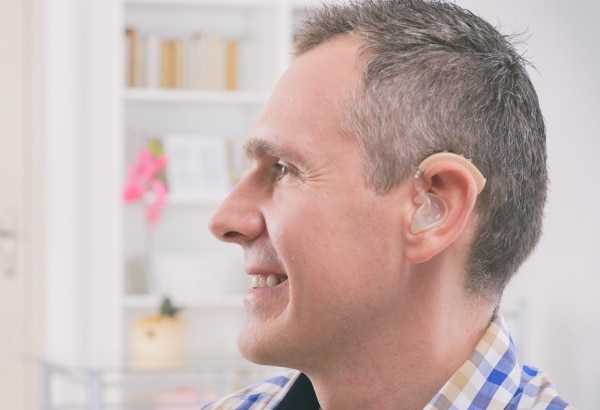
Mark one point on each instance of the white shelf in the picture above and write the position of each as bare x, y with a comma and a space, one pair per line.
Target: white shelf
297, 4
200, 200
204, 201
208, 3
153, 302
153, 95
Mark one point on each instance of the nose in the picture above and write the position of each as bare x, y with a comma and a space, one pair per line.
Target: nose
239, 218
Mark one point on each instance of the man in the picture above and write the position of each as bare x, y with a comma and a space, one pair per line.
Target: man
398, 182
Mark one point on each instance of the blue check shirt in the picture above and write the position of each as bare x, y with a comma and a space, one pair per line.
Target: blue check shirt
490, 379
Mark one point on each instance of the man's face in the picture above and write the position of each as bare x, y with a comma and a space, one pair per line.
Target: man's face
308, 225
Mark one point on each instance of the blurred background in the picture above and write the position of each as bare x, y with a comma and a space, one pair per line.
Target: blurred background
88, 87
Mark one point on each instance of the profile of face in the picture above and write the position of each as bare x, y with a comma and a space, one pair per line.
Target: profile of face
324, 250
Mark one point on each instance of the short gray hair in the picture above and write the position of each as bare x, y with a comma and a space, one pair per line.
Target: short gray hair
439, 78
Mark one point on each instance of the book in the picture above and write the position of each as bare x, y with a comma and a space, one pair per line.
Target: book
133, 51
151, 60
177, 63
232, 53
166, 62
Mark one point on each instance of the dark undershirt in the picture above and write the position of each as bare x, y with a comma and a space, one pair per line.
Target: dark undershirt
300, 397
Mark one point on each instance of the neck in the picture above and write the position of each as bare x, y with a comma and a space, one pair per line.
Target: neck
403, 360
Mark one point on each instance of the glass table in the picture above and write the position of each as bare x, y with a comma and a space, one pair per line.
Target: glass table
102, 385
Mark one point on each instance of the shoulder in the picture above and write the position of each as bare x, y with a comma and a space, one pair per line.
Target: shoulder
260, 396
536, 391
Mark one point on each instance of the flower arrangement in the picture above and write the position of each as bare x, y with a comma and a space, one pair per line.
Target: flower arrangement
146, 181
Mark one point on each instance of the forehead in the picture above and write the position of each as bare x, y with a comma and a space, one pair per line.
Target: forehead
307, 101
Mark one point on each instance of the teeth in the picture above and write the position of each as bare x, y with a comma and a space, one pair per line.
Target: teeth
262, 281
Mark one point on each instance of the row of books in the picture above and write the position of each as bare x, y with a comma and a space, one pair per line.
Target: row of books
205, 61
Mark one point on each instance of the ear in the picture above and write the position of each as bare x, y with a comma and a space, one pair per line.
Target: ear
455, 187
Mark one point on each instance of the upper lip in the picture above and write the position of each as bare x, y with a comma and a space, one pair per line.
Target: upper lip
262, 260
256, 270
263, 269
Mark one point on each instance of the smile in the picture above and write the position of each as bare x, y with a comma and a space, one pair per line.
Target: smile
264, 281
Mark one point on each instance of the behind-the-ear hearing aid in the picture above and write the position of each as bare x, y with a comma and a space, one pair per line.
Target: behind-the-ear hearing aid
432, 211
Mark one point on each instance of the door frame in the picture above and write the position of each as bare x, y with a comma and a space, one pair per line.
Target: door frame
24, 66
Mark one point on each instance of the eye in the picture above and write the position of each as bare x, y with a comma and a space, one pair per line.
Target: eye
280, 170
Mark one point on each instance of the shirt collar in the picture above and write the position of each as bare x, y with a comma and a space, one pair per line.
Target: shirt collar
490, 376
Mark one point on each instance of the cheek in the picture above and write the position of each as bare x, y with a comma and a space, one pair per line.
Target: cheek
337, 241
344, 267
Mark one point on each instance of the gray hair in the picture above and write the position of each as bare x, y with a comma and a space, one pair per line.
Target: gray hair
438, 78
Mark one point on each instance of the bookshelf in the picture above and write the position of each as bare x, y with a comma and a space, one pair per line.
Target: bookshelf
202, 69
144, 95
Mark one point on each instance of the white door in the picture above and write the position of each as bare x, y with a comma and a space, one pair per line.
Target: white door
20, 253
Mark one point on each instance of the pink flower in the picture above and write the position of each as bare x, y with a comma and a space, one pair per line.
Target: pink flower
144, 183
159, 190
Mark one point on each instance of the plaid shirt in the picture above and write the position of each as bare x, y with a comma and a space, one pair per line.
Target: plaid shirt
490, 379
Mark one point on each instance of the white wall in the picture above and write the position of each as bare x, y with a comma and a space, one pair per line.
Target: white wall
561, 280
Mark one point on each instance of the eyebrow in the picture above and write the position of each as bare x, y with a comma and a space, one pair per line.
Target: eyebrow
256, 148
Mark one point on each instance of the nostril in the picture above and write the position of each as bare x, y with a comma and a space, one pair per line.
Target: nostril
230, 235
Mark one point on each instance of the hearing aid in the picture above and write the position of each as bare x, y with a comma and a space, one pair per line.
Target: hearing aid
432, 211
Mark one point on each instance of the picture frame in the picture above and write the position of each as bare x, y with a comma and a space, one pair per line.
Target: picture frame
197, 167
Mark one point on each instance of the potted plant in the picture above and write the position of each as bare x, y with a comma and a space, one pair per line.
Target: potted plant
158, 340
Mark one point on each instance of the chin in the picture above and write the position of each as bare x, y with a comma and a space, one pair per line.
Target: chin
255, 347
